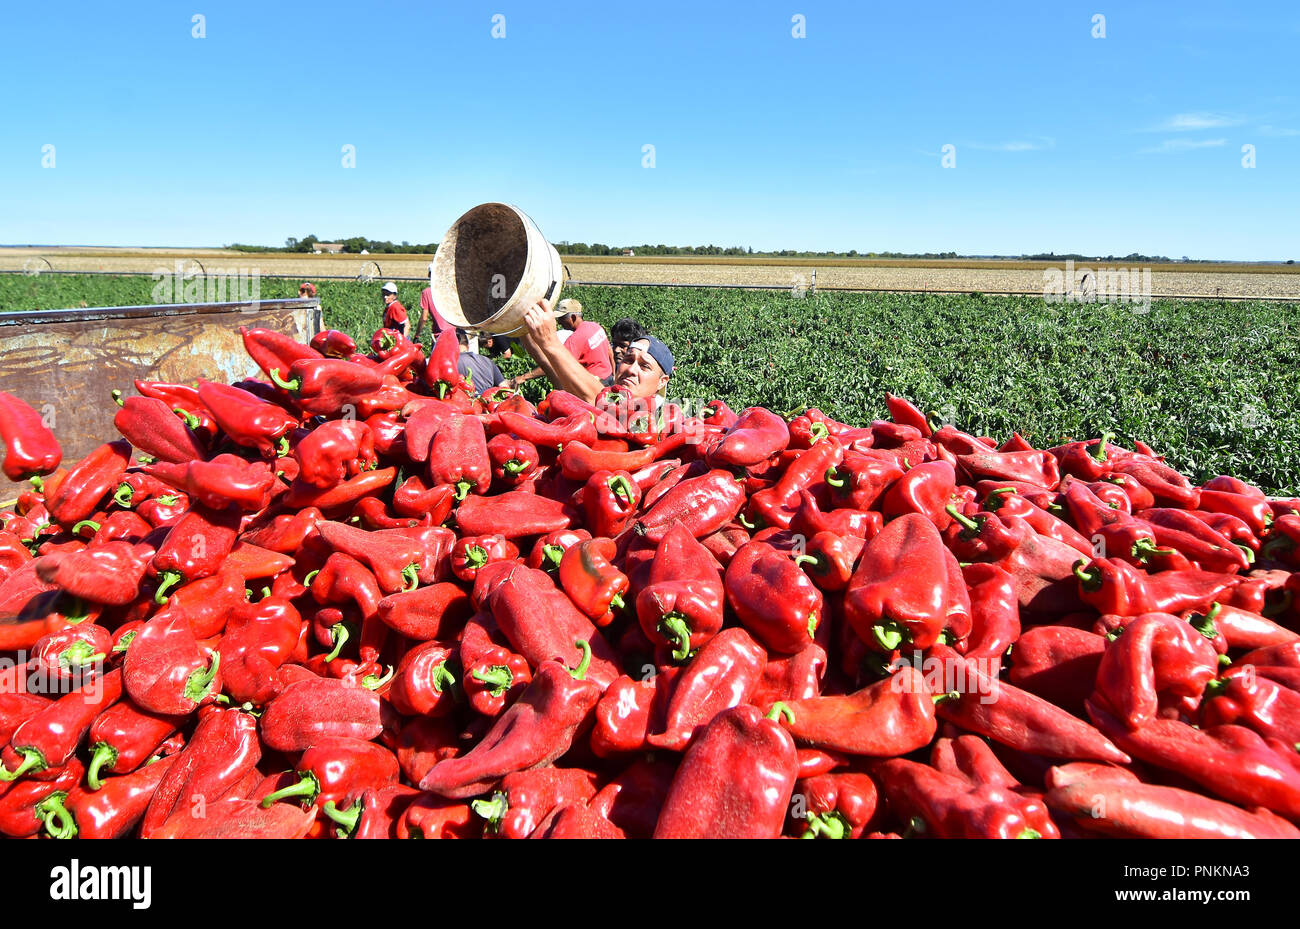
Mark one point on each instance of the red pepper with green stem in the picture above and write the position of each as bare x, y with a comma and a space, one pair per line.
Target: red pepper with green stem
330, 386
459, 456
30, 447
165, 670
271, 349
44, 743
838, 806
423, 684
1112, 586
1241, 697
336, 768
907, 589
329, 342
1255, 513
440, 373
206, 604
1089, 460
152, 427
1007, 501
513, 460
1240, 628
87, 483
195, 548
74, 655
335, 499
401, 559
248, 420
519, 595
549, 549
926, 489
725, 673
124, 737
756, 435
494, 679
681, 606
777, 505
538, 728
773, 598
1158, 661
30, 804
735, 780
470, 553
109, 811
591, 581
525, 798
610, 500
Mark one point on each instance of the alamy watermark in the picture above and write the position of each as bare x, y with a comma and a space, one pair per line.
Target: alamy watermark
189, 285
1103, 285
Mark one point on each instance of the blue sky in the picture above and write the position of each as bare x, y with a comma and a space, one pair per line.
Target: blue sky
1063, 141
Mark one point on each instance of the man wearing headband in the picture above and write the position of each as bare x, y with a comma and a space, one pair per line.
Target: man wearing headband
645, 370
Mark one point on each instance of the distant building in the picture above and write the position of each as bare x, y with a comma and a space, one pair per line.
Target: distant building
629, 253
333, 248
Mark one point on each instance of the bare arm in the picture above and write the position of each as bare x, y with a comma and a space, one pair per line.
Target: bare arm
565, 371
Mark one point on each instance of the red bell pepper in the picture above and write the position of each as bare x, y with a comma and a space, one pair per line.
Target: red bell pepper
891, 717
1242, 697
1113, 586
124, 737
27, 806
259, 638
589, 579
538, 728
329, 342
30, 446
222, 752
756, 435
723, 674
45, 742
423, 685
838, 806
494, 679
335, 768
773, 598
195, 548
735, 780
308, 710
246, 419
682, 604
152, 427
459, 456
414, 498
89, 481
908, 587
166, 671
435, 611
440, 372
610, 500
512, 515
470, 553
401, 559
110, 573
1157, 658
110, 811
926, 489
335, 451
525, 798
514, 460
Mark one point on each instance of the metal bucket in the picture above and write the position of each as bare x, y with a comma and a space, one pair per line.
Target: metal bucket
492, 265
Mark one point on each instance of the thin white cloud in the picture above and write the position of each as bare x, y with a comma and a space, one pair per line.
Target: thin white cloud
1277, 131
1018, 145
1181, 145
1192, 122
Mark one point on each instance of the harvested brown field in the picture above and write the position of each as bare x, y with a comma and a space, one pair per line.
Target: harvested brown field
1263, 281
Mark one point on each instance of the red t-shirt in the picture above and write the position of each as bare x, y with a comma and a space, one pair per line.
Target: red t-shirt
394, 315
590, 346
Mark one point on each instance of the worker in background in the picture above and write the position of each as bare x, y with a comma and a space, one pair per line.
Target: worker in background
306, 290
394, 313
621, 335
429, 313
646, 368
497, 345
482, 372
584, 339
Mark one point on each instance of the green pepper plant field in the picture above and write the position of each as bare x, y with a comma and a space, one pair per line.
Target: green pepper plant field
1214, 386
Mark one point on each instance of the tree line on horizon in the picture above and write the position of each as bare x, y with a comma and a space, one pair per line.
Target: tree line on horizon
354, 245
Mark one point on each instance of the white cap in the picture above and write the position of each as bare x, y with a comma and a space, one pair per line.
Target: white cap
389, 288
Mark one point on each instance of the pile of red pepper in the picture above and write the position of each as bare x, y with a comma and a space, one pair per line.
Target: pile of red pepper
352, 600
